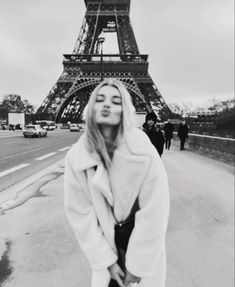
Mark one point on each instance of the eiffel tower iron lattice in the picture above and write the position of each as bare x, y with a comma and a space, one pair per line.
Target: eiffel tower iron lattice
84, 68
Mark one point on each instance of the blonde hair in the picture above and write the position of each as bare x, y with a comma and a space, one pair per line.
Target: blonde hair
94, 137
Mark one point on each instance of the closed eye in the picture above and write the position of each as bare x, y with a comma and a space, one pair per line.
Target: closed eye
117, 100
100, 98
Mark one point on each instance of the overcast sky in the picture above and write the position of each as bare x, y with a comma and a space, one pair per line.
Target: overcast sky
189, 42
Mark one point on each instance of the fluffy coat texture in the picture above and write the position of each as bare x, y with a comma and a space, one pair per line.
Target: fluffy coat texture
95, 200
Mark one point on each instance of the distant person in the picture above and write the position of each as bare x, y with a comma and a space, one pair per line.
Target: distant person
168, 130
182, 134
11, 127
154, 133
160, 140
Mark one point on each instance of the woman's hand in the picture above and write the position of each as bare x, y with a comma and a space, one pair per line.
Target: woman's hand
130, 278
117, 274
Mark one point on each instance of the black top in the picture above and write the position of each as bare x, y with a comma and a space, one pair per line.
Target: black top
168, 129
156, 137
183, 131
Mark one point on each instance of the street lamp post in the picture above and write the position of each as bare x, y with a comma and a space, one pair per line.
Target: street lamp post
101, 40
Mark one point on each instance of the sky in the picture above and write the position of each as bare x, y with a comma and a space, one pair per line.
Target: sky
190, 44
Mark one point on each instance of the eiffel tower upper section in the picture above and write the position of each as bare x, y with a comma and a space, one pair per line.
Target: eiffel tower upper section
84, 68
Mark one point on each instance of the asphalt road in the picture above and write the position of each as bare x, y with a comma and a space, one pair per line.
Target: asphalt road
22, 157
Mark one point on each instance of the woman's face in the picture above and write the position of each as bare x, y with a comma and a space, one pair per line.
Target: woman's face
108, 106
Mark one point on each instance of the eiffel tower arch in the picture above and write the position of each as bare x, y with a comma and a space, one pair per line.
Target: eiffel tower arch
84, 68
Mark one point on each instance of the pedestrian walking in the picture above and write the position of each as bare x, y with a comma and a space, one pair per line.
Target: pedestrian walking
154, 132
160, 140
182, 134
116, 194
168, 131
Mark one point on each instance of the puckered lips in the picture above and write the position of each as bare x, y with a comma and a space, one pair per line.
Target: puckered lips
105, 113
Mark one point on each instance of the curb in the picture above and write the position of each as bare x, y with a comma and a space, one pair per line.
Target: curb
8, 192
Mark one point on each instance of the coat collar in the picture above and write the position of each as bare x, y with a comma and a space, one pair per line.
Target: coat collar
132, 157
135, 143
85, 158
126, 178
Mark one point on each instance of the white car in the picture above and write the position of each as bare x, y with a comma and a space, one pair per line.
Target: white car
74, 128
34, 131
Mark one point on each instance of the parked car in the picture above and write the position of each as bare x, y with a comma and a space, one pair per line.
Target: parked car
34, 131
74, 128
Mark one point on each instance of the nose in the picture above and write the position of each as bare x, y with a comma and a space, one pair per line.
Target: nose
106, 105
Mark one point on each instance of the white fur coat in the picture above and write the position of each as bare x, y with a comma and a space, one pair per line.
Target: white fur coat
137, 170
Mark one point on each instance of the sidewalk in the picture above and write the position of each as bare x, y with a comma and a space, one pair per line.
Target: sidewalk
40, 250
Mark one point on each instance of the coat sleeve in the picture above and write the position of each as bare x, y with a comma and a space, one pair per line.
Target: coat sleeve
147, 242
83, 220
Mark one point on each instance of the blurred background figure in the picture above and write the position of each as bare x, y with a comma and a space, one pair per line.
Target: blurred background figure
154, 132
160, 140
182, 134
168, 130
11, 127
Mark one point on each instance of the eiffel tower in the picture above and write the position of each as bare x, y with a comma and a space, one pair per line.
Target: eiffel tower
87, 65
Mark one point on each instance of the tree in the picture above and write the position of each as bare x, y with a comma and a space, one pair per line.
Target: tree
28, 108
225, 117
14, 103
183, 109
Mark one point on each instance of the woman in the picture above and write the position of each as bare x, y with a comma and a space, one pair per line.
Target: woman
154, 132
111, 166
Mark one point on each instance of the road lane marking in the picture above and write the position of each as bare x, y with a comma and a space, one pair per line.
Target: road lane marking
10, 170
62, 149
45, 156
23, 152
